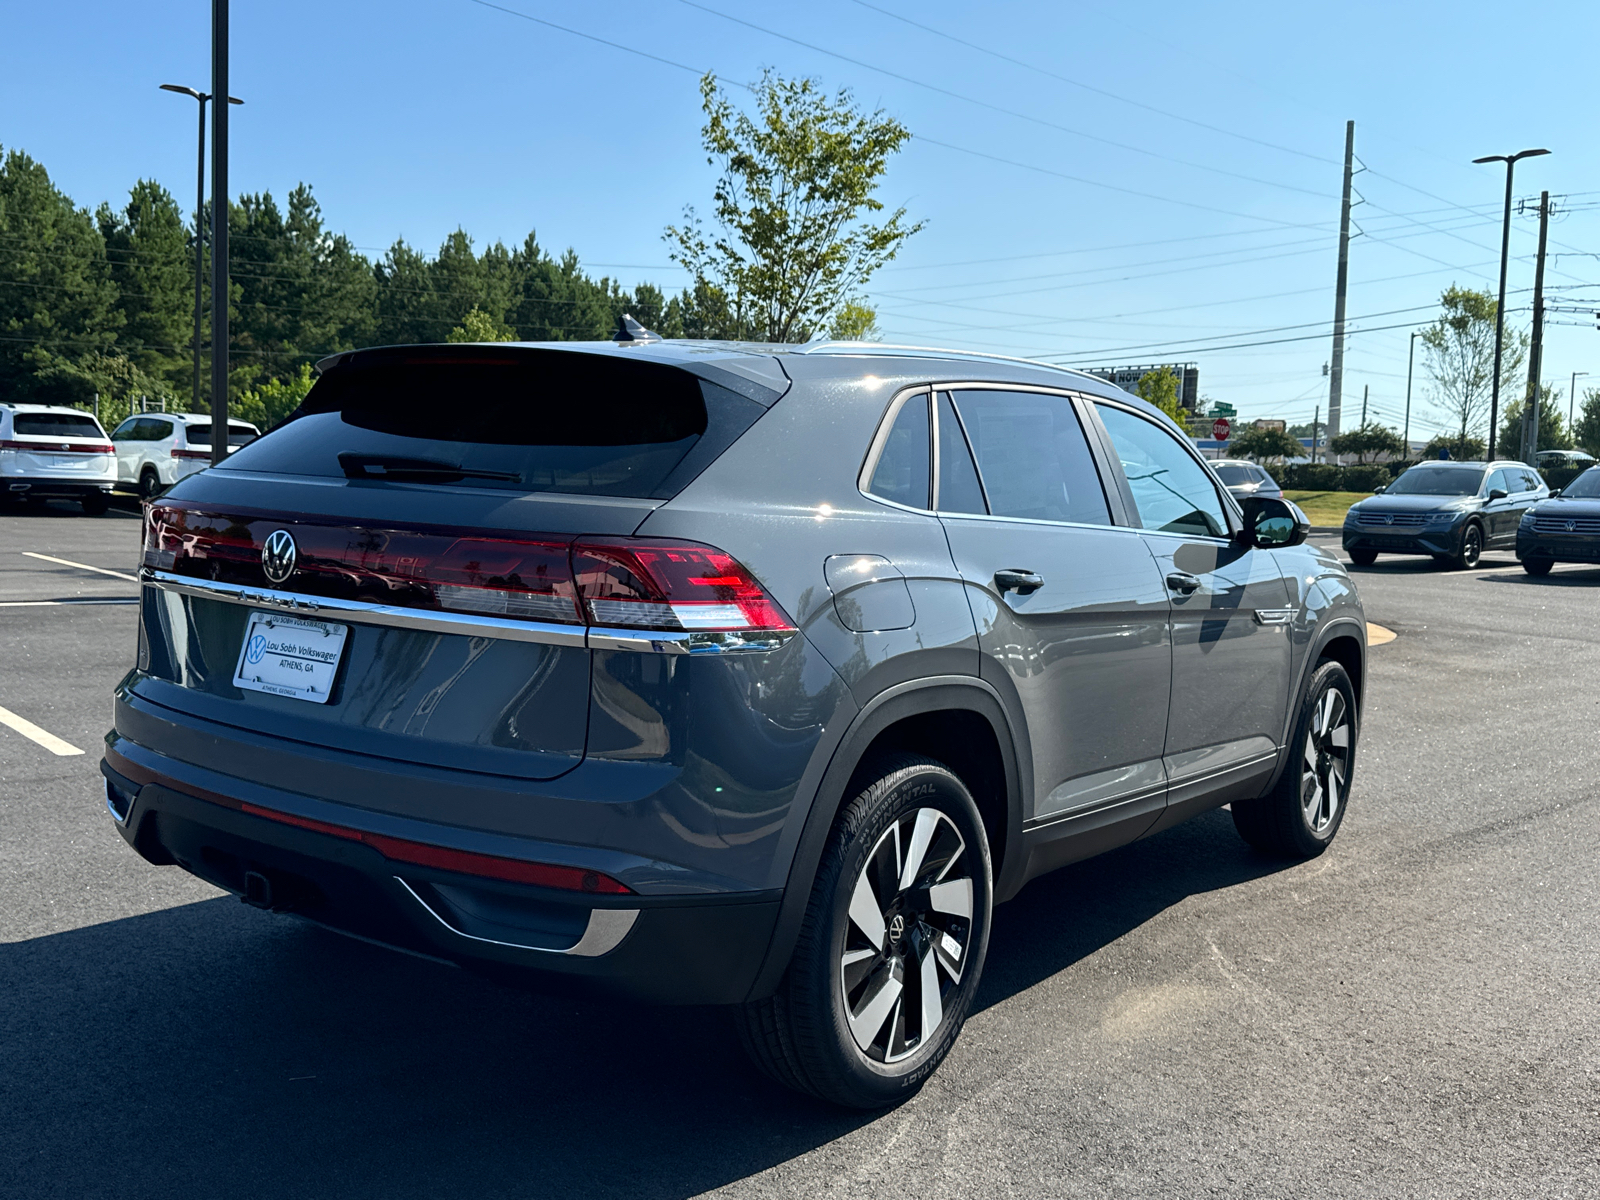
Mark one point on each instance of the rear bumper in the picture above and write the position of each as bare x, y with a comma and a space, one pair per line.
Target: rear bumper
665, 949
34, 485
1569, 547
1419, 540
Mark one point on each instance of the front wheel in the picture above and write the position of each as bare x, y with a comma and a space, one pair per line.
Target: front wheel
1363, 558
1538, 566
891, 947
1471, 548
1299, 817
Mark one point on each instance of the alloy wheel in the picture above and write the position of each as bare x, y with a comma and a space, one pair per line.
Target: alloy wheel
1471, 546
909, 931
1325, 772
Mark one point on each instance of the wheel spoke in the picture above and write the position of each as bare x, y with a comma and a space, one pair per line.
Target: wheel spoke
953, 897
866, 913
868, 1021
1311, 753
932, 1004
1339, 739
921, 835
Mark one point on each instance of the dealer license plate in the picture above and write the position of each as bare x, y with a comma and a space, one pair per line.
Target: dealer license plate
290, 656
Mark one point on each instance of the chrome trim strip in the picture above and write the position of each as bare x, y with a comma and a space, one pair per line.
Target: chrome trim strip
1054, 819
685, 641
603, 934
368, 613
1274, 616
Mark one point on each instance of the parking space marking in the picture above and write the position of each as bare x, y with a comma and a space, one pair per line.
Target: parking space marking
43, 736
67, 562
75, 602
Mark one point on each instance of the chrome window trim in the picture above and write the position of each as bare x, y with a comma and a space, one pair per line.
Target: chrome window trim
881, 439
605, 931
470, 625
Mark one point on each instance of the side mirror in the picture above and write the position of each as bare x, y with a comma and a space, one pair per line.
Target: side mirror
1270, 522
1380, 489
1498, 493
1554, 492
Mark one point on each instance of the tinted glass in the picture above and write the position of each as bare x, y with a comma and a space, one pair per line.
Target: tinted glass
1236, 473
1437, 481
1033, 457
1585, 486
532, 421
959, 490
1497, 479
1172, 491
56, 425
156, 431
200, 435
127, 431
1531, 480
904, 472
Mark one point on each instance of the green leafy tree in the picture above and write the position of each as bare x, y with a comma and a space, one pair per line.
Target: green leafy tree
479, 326
1553, 432
1458, 355
151, 261
57, 297
1461, 450
1587, 431
1264, 445
796, 234
855, 322
1368, 442
266, 405
1160, 388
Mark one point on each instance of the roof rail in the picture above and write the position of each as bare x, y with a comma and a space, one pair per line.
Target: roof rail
888, 349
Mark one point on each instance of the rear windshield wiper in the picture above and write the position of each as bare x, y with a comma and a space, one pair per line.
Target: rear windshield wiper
414, 470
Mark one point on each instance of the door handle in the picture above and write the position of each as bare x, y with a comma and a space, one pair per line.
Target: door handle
1180, 581
1024, 583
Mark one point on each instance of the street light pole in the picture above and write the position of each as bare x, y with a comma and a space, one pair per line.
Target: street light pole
1411, 358
219, 236
1510, 161
199, 225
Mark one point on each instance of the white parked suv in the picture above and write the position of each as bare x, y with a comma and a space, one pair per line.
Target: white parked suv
155, 450
47, 451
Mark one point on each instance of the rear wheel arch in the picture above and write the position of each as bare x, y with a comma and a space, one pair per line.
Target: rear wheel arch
956, 720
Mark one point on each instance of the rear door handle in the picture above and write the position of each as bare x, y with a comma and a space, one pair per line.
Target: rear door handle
1024, 583
1182, 582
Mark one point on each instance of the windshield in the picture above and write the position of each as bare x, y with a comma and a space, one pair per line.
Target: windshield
1235, 473
1437, 481
1585, 486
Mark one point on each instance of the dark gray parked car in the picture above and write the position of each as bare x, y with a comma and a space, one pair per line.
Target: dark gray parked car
714, 674
1244, 480
1451, 510
1563, 528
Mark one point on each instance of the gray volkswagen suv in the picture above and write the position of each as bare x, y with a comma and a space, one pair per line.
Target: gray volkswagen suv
720, 674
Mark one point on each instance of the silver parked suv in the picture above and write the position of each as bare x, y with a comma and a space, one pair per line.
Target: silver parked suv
721, 674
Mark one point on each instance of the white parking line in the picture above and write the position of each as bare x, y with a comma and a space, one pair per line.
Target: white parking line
67, 562
43, 736
73, 603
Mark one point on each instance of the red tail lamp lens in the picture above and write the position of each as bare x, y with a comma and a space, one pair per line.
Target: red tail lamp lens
531, 580
654, 585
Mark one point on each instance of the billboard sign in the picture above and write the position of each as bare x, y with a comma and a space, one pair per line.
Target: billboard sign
1127, 378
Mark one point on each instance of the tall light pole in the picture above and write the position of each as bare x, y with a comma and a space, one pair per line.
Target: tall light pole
1510, 161
199, 223
219, 235
1411, 358
1572, 399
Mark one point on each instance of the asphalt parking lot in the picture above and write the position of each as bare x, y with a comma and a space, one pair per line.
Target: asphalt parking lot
1416, 1013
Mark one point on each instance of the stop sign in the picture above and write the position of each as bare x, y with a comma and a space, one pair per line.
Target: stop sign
1220, 429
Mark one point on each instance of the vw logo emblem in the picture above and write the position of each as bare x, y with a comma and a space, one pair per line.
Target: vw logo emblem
277, 557
1389, 520
1571, 525
897, 928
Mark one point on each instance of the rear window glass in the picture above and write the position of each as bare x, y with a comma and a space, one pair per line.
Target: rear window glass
200, 435
536, 421
55, 425
1235, 473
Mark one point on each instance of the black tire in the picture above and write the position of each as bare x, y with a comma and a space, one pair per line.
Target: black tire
1296, 818
1363, 558
95, 504
149, 484
1538, 566
1471, 547
809, 1034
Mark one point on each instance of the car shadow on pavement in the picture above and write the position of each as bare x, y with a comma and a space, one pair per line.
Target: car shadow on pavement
211, 1049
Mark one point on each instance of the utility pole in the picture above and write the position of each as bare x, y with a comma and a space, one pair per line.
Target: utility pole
219, 234
1530, 409
1510, 161
1572, 399
1365, 387
1336, 375
1316, 420
1411, 359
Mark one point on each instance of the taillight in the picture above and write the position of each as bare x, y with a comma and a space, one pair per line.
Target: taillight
193, 455
532, 580
60, 447
640, 584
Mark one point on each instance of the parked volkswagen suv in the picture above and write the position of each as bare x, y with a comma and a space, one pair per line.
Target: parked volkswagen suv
48, 452
155, 450
719, 674
1564, 528
1451, 510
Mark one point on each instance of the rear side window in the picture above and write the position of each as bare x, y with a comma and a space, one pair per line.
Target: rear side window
904, 472
200, 435
532, 421
55, 425
959, 489
1033, 457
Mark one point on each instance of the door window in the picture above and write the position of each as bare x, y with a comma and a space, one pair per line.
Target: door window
1531, 482
1033, 457
127, 431
1497, 479
904, 472
158, 430
1171, 490
959, 489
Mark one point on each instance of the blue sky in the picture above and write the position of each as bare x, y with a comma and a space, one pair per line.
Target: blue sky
1140, 183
